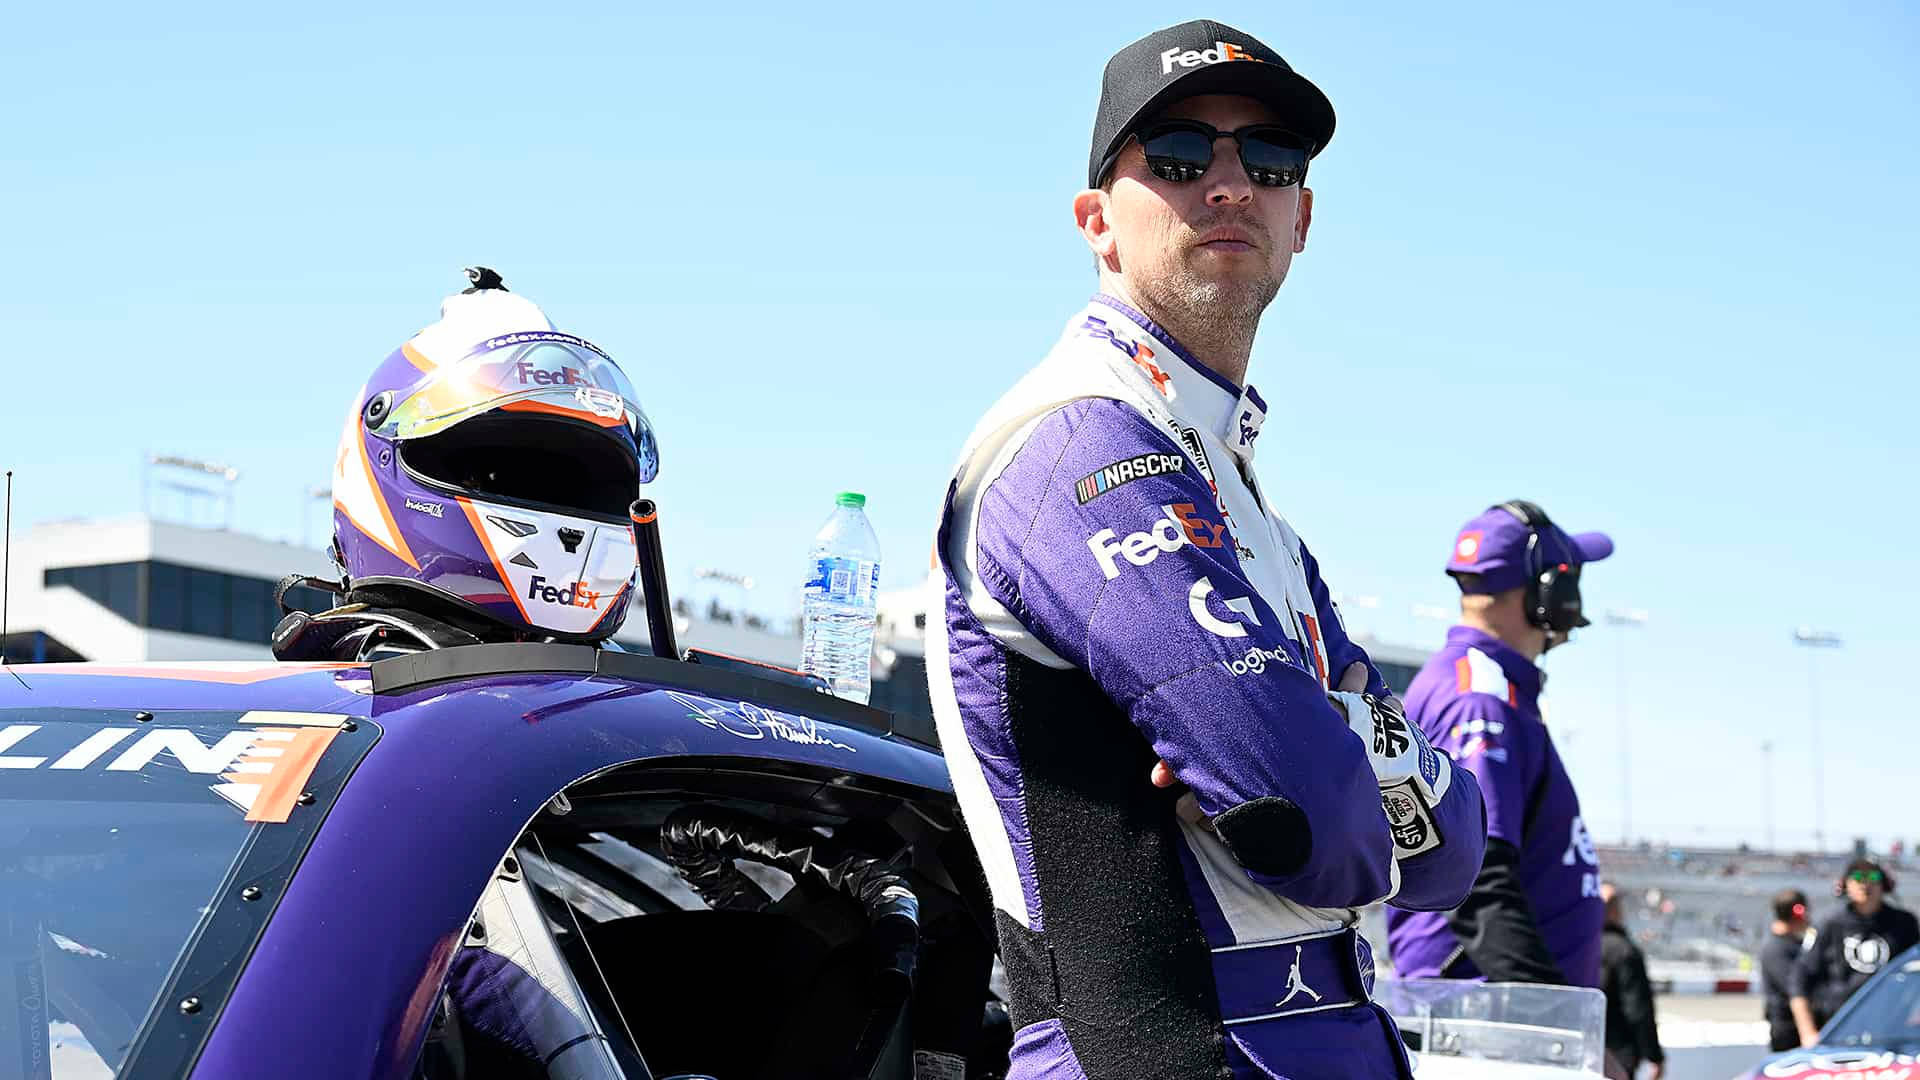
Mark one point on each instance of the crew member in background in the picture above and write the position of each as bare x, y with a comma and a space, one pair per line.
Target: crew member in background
1534, 913
1778, 957
1851, 945
1633, 1035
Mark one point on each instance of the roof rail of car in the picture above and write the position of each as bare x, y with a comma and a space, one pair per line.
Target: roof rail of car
414, 670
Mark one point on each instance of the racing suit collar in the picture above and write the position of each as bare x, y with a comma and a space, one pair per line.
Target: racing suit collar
1202, 396
1520, 671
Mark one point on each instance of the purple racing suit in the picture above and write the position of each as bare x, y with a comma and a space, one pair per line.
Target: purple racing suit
1535, 915
1116, 590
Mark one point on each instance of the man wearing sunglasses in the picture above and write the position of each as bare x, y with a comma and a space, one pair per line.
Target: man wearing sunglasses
1849, 947
1180, 773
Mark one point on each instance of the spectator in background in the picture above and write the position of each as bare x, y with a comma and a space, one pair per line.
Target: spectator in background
1777, 960
1632, 1036
1850, 946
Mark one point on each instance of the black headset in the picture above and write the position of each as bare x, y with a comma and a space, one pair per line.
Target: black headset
1553, 591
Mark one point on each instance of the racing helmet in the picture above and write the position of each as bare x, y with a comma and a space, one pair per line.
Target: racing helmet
487, 469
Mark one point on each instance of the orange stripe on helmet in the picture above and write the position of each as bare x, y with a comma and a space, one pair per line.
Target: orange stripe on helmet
480, 530
415, 358
536, 406
611, 605
399, 546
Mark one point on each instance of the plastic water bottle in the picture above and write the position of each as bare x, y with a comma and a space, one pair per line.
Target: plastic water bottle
840, 600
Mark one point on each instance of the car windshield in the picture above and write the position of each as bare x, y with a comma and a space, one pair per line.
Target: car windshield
116, 836
1887, 1014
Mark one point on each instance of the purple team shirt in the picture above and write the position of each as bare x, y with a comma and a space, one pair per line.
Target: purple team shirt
1479, 700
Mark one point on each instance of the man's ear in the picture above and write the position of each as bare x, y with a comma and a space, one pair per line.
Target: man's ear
1090, 214
1303, 220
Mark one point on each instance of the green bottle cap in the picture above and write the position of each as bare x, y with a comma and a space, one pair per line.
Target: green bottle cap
850, 498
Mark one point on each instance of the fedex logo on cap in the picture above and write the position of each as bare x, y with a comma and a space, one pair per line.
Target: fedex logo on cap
1188, 58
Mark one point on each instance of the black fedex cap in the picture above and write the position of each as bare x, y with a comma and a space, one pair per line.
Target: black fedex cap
1200, 57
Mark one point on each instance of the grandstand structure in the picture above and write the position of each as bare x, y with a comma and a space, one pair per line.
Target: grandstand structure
1701, 914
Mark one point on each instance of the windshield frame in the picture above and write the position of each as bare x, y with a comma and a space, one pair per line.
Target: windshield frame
1846, 1029
172, 1035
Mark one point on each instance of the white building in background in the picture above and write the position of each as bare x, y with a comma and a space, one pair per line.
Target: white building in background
136, 588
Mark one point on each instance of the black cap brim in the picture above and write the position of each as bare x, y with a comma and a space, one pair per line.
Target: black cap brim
1299, 105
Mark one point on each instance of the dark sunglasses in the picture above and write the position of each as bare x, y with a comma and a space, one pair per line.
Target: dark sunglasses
1867, 877
1182, 150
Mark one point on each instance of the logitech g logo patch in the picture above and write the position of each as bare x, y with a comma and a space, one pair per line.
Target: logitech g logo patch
1254, 662
1213, 624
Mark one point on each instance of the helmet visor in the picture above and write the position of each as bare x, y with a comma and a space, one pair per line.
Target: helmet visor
536, 371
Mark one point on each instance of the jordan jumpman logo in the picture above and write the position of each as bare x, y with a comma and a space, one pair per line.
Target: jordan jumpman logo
1295, 984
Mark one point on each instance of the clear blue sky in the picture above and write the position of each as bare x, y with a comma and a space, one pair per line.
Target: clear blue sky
1650, 265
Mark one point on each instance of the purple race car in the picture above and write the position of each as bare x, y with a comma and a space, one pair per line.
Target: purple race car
504, 860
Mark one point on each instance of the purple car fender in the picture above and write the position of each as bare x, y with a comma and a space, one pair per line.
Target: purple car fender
344, 978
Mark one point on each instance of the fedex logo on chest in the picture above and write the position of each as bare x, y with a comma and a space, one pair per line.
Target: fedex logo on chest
1139, 352
1179, 526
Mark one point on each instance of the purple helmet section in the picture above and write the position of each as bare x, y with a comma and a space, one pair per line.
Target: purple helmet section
346, 974
452, 557
395, 373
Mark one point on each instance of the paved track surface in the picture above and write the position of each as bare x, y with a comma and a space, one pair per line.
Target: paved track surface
1710, 1036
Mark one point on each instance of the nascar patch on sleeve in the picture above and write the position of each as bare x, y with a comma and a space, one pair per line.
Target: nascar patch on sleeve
1105, 479
1410, 820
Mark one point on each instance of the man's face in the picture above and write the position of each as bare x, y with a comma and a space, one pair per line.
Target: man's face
1220, 243
1865, 890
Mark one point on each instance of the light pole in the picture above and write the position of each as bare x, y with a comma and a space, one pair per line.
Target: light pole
1766, 787
1808, 637
223, 473
1635, 618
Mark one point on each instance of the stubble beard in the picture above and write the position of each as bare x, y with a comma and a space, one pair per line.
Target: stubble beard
1200, 299
1210, 315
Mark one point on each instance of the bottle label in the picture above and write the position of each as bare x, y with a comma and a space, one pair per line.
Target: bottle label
843, 581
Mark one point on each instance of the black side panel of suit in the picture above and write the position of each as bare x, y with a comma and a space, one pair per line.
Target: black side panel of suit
1120, 959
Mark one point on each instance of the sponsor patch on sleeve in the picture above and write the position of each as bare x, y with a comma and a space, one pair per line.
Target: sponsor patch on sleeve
1410, 820
1429, 759
1105, 479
